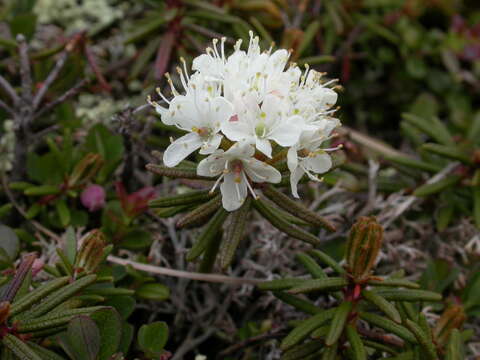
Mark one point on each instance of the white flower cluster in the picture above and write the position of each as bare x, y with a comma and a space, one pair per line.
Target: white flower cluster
245, 111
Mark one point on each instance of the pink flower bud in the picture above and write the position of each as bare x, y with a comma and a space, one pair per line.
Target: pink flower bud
93, 197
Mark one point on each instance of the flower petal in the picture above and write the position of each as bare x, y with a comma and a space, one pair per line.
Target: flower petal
295, 177
211, 144
237, 128
319, 163
233, 193
264, 146
292, 158
221, 111
181, 148
287, 133
261, 172
212, 165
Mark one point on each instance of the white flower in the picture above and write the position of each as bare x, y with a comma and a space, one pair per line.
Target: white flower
237, 167
258, 124
307, 157
252, 99
200, 112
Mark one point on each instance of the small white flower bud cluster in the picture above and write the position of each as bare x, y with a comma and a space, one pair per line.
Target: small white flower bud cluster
244, 111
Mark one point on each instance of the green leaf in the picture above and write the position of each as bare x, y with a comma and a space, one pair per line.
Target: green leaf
109, 324
63, 212
280, 284
301, 331
44, 353
358, 350
36, 295
422, 339
297, 303
191, 197
9, 243
137, 239
454, 350
388, 325
338, 323
382, 304
438, 186
449, 152
153, 337
61, 295
308, 36
70, 245
396, 282
153, 291
53, 320
311, 265
41, 190
100, 140
235, 233
83, 339
201, 214
413, 163
24, 24
433, 128
302, 351
327, 260
208, 234
323, 284
19, 348
281, 224
296, 208
408, 295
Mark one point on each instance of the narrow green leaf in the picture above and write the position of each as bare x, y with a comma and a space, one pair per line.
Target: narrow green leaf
301, 331
44, 353
338, 323
297, 303
388, 325
296, 208
63, 212
309, 286
208, 234
235, 233
19, 348
302, 351
438, 186
396, 282
358, 350
450, 152
201, 214
380, 347
176, 173
60, 296
36, 295
311, 265
330, 352
413, 163
42, 190
327, 260
408, 295
280, 284
423, 340
54, 320
308, 37
433, 128
454, 350
182, 199
64, 262
382, 304
289, 229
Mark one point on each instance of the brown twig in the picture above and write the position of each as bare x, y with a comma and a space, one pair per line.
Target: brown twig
184, 274
5, 85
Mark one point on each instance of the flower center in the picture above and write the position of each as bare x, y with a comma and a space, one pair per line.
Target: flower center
237, 168
203, 131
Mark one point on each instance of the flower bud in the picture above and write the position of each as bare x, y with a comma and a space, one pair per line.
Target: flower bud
452, 318
91, 252
363, 246
93, 197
